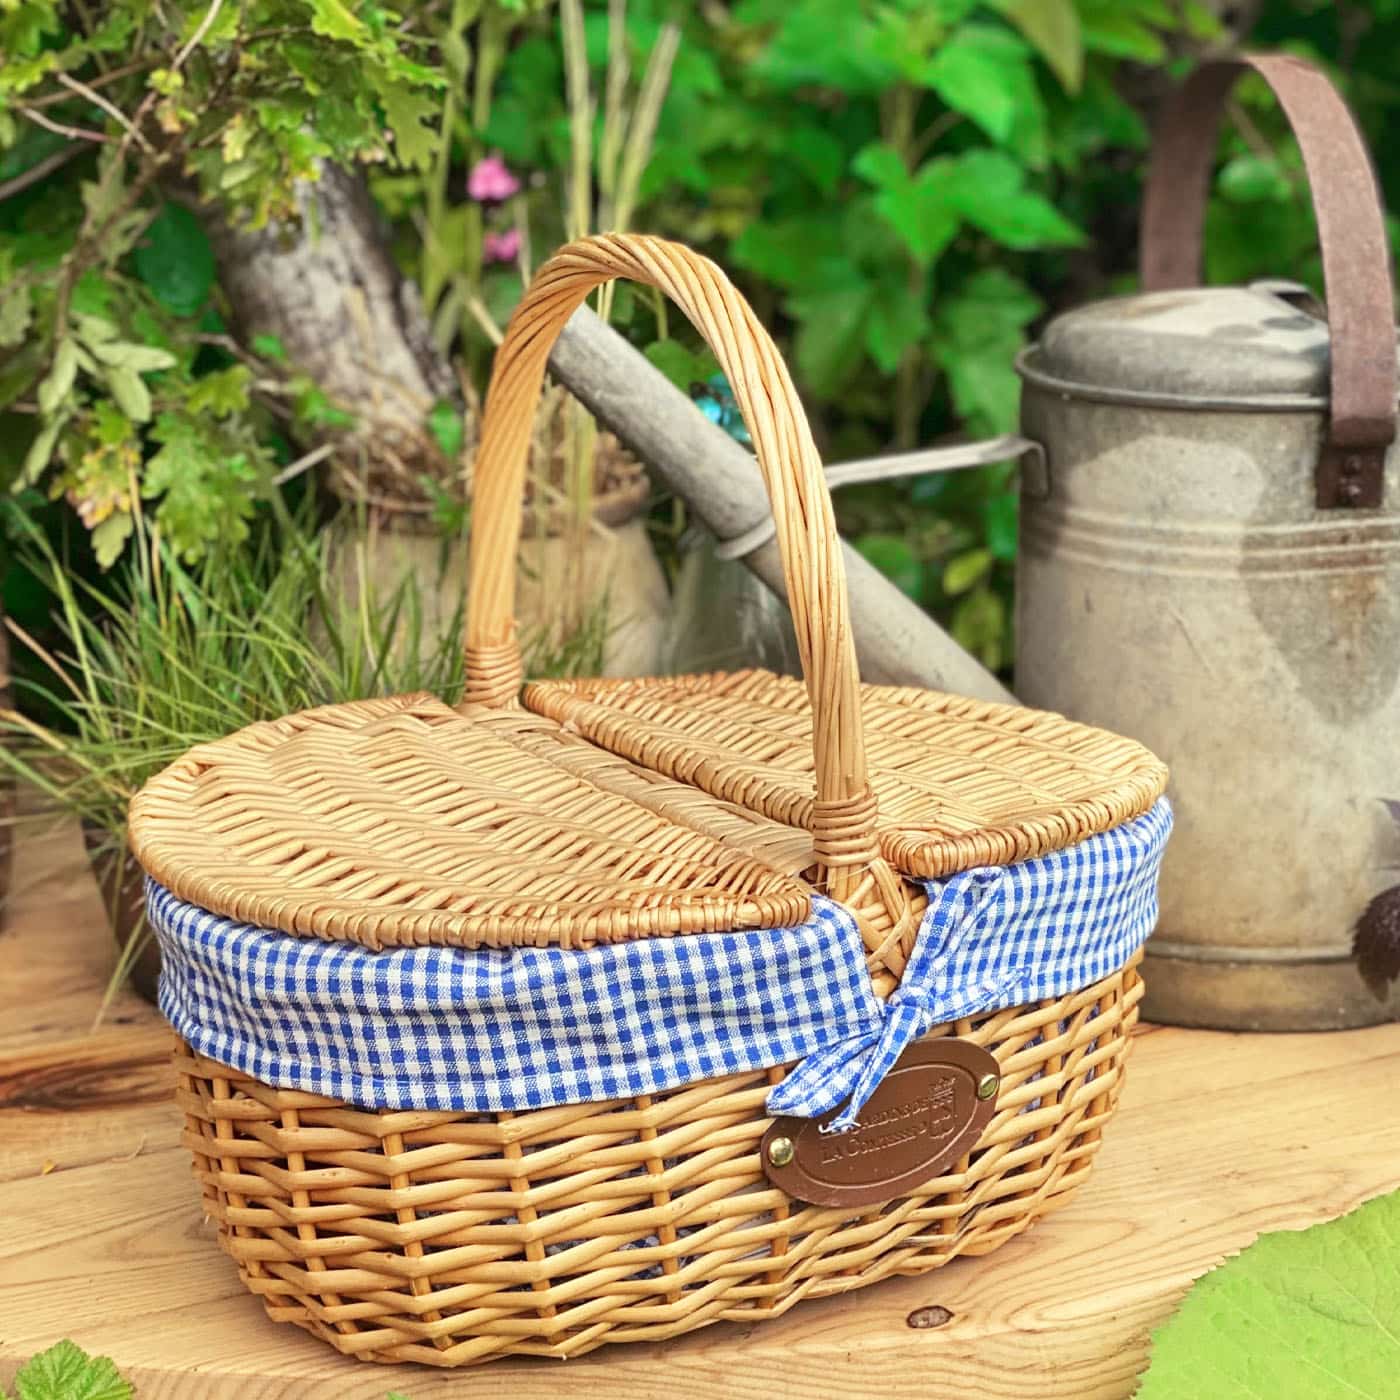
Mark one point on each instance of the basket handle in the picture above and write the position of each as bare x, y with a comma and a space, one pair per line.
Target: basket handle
1351, 229
843, 816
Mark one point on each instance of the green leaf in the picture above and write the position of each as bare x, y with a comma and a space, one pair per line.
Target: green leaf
1000, 516
445, 424
66, 1372
1098, 119
315, 408
16, 313
141, 359
818, 154
829, 342
961, 572
826, 42
977, 334
269, 347
110, 536
175, 260
130, 392
881, 165
1110, 27
1251, 179
897, 320
57, 384
221, 393
1299, 1315
207, 488
94, 330
982, 72
19, 370
682, 366
894, 556
924, 210
1200, 21
1052, 27
412, 116
979, 626
989, 191
40, 450
990, 304
335, 20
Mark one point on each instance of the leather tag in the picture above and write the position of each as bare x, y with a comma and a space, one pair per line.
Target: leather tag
925, 1115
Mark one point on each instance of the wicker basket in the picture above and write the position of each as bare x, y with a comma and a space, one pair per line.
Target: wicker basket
574, 814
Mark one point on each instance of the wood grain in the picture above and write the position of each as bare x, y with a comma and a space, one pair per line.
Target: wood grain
1219, 1137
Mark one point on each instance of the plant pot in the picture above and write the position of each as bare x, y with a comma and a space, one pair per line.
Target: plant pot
122, 886
601, 581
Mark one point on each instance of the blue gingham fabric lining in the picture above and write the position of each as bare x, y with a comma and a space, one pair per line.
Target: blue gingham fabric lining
487, 1030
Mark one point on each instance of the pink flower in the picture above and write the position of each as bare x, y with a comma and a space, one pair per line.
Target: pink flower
501, 247
490, 181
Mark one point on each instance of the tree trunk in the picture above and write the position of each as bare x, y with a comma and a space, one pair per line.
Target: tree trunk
328, 290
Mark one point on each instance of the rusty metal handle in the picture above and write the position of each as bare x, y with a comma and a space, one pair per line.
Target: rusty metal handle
1351, 229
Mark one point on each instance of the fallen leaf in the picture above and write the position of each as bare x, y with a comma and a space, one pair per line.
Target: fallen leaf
1299, 1315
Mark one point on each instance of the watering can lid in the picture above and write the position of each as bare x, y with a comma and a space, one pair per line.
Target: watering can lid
1217, 345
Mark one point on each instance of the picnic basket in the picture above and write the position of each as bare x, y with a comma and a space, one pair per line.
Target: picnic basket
371, 915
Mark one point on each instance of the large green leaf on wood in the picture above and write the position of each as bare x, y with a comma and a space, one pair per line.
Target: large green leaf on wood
1299, 1315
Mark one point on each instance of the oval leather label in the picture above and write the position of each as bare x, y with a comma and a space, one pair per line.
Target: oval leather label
923, 1117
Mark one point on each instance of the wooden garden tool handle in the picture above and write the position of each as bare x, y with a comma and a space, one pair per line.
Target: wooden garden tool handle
1351, 228
843, 820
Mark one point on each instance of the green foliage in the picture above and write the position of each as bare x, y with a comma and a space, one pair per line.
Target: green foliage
1299, 1315
905, 189
110, 389
888, 183
66, 1372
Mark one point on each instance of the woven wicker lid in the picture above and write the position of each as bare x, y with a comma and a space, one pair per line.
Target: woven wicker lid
401, 821
958, 782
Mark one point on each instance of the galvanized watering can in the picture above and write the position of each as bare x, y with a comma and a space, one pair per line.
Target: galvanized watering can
1210, 562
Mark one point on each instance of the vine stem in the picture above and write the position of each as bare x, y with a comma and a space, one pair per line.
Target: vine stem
35, 173
73, 133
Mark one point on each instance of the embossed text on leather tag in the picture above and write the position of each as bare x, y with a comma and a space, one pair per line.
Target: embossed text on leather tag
929, 1109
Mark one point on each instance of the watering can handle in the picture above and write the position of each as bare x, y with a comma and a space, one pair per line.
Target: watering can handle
1351, 229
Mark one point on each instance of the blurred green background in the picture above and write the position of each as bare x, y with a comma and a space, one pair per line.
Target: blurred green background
905, 190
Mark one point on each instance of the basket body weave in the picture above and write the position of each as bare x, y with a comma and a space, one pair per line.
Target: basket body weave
452, 1239
574, 814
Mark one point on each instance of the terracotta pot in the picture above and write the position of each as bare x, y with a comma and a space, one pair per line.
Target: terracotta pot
121, 884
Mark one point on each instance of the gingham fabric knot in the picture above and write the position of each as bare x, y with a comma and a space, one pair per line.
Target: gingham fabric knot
853, 1069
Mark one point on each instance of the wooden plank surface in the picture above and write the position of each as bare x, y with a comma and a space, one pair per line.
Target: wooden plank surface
1219, 1137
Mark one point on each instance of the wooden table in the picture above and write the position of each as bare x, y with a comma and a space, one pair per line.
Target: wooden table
1219, 1137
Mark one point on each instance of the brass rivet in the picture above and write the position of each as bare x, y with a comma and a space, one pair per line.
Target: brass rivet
780, 1151
988, 1085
